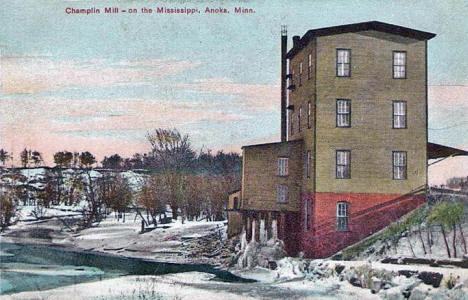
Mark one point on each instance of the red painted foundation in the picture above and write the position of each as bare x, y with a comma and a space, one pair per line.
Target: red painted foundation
368, 213
289, 231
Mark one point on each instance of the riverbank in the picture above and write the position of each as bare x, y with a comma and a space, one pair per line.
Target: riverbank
205, 242
191, 242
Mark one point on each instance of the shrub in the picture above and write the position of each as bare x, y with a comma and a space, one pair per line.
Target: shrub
8, 210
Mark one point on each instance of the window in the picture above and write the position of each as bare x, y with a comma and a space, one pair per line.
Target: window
399, 114
309, 67
343, 62
299, 76
342, 212
308, 158
299, 115
399, 165
291, 80
291, 124
343, 113
236, 203
399, 64
283, 166
282, 194
343, 166
309, 110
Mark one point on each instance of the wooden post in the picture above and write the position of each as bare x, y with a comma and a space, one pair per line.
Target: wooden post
248, 232
268, 225
257, 227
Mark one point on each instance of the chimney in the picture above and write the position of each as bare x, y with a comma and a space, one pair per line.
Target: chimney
284, 47
296, 40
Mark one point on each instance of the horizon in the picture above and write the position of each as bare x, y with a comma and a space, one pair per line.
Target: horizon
98, 83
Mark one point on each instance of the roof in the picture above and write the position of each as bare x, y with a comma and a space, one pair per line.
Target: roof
438, 151
356, 27
274, 143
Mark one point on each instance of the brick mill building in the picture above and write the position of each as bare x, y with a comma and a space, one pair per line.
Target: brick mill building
354, 144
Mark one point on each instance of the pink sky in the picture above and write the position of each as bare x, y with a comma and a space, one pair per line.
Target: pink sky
34, 117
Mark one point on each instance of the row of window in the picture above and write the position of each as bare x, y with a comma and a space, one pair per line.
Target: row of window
343, 115
343, 66
343, 165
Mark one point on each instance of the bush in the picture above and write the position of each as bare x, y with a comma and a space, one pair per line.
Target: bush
450, 282
8, 210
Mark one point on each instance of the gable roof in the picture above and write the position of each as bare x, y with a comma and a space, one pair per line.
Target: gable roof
356, 27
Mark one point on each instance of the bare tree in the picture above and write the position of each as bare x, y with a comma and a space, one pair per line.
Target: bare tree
153, 197
8, 209
4, 156
116, 193
25, 157
173, 153
36, 158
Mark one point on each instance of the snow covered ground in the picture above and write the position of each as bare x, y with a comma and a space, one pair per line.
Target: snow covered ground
173, 242
195, 286
291, 281
204, 242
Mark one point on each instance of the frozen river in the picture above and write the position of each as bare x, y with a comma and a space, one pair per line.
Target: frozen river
27, 267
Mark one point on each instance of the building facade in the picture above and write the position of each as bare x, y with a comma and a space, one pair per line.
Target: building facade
354, 157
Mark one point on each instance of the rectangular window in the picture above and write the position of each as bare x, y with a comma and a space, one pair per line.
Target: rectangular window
283, 166
282, 196
309, 111
343, 164
399, 165
399, 114
299, 115
291, 124
291, 80
342, 212
399, 64
299, 76
309, 67
343, 62
308, 158
343, 113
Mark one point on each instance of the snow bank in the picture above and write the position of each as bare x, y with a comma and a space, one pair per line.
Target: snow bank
260, 254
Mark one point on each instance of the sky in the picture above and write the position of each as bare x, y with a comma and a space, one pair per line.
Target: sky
100, 82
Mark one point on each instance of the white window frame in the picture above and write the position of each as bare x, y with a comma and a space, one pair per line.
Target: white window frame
343, 62
283, 166
400, 165
309, 67
308, 160
309, 111
343, 164
291, 123
343, 113
400, 119
282, 194
399, 64
299, 116
342, 216
299, 76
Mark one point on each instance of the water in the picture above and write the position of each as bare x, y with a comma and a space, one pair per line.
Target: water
27, 267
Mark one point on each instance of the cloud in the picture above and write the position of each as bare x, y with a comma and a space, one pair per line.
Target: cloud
251, 97
52, 124
30, 75
440, 172
448, 96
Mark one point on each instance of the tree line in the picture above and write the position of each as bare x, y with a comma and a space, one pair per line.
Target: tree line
177, 180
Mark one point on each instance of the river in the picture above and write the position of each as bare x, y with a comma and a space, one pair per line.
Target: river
32, 267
